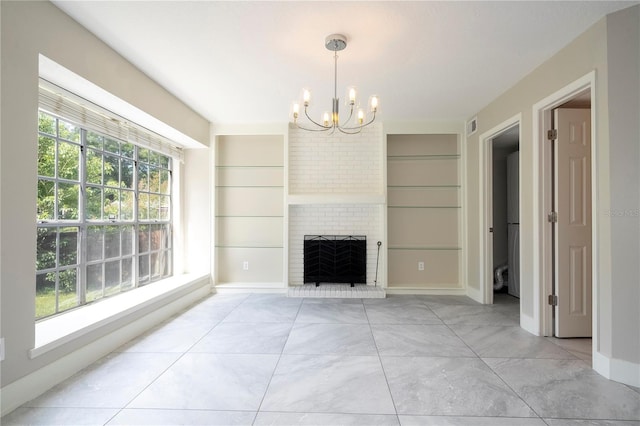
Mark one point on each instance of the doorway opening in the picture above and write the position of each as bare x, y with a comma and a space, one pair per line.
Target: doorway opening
579, 300
499, 215
506, 216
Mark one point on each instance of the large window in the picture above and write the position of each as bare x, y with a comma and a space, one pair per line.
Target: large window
103, 216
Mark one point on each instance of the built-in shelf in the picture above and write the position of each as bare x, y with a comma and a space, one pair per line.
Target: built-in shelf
424, 157
424, 207
336, 198
249, 186
249, 167
421, 186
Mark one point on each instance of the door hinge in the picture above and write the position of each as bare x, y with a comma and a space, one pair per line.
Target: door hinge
553, 300
552, 134
553, 217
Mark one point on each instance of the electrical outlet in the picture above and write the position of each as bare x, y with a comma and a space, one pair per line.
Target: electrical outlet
2, 349
420, 266
245, 265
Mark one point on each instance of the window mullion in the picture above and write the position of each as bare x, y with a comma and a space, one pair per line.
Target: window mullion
82, 230
136, 222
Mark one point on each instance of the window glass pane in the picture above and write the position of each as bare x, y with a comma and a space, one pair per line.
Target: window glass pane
143, 206
112, 146
68, 246
157, 265
126, 205
165, 185
46, 156
46, 123
94, 167
111, 204
68, 195
165, 207
94, 243
143, 177
168, 270
166, 236
127, 240
111, 170
94, 140
143, 238
68, 161
156, 237
126, 174
154, 158
143, 269
154, 206
68, 131
45, 248
45, 294
46, 199
164, 161
94, 282
127, 273
154, 179
111, 241
143, 155
68, 286
111, 278
93, 203
126, 149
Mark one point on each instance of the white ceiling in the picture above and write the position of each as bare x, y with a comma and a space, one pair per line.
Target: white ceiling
245, 62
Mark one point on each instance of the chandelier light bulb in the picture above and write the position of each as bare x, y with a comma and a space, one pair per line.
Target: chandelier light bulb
325, 118
374, 103
296, 110
306, 97
360, 116
352, 95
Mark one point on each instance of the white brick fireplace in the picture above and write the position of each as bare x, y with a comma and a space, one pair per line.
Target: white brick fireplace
336, 187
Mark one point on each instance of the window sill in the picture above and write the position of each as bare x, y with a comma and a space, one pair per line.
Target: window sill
57, 331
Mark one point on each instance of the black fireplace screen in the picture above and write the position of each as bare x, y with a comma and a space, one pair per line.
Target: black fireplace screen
335, 259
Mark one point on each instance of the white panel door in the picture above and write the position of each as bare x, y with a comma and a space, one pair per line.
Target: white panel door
573, 228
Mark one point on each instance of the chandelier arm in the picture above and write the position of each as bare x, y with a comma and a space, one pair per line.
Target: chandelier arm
362, 125
346, 132
350, 116
317, 124
323, 129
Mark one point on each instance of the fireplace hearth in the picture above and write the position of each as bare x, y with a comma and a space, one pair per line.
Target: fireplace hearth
335, 259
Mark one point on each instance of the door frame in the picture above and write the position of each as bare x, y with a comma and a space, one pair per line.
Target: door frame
542, 253
485, 193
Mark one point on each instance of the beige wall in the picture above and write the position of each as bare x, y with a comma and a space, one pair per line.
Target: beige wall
29, 29
623, 53
617, 138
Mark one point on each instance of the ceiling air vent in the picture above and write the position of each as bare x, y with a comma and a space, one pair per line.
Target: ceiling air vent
472, 126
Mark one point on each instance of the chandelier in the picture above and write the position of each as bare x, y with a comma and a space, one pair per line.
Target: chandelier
331, 122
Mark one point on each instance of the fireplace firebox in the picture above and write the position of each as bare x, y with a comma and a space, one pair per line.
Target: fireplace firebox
335, 259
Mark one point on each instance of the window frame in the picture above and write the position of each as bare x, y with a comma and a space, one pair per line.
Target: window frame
83, 223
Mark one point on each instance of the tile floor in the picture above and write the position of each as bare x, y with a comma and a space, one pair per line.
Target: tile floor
404, 360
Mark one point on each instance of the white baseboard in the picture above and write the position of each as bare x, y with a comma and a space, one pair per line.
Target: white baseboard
33, 385
475, 294
529, 324
427, 291
618, 370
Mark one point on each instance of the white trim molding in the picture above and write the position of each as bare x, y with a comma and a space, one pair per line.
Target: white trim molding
541, 241
618, 370
485, 217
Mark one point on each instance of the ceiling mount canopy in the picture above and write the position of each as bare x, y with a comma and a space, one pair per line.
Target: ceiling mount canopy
331, 122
